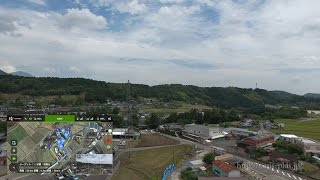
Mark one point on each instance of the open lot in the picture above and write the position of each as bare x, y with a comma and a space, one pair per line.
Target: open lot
304, 128
150, 164
149, 140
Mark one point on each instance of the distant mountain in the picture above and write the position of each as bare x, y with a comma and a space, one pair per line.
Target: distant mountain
2, 72
21, 73
312, 95
100, 91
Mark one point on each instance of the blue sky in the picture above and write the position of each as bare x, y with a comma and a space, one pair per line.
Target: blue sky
274, 43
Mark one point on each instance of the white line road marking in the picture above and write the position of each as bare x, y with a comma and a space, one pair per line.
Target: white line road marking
277, 171
294, 177
268, 167
288, 174
272, 169
299, 178
283, 173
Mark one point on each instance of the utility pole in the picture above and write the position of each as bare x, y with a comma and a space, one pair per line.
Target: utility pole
129, 113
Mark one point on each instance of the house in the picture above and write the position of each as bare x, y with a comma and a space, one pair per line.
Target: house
281, 125
247, 123
258, 141
223, 169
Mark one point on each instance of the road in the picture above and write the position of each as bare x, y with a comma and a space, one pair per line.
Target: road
258, 169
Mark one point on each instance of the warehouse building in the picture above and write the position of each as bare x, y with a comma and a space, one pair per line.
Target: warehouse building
201, 133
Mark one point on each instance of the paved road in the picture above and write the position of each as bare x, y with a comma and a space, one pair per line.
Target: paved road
256, 168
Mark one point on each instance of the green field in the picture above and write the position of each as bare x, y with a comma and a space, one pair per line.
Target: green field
180, 107
150, 164
304, 128
17, 133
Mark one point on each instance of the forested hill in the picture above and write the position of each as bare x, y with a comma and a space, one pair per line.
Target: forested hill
100, 91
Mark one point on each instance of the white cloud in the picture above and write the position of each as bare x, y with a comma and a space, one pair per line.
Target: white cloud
39, 2
125, 6
75, 69
132, 7
242, 44
172, 1
81, 19
6, 67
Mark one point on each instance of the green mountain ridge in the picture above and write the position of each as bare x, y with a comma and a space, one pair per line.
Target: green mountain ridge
100, 91
2, 72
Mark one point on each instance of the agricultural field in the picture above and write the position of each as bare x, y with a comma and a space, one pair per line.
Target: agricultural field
304, 128
150, 164
149, 140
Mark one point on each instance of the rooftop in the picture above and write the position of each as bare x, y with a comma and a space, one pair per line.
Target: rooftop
238, 129
308, 141
224, 166
259, 137
289, 135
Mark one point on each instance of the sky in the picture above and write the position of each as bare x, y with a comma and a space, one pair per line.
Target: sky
275, 43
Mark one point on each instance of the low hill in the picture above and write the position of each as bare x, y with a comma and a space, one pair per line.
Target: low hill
100, 91
2, 73
21, 73
312, 95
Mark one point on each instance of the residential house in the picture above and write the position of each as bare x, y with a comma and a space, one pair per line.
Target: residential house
223, 169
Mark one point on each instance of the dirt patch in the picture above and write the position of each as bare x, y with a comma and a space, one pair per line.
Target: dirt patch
149, 140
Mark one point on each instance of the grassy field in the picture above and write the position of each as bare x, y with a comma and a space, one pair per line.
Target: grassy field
304, 128
149, 140
180, 107
311, 170
17, 133
150, 164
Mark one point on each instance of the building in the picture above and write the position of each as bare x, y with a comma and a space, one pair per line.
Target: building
200, 133
223, 169
171, 127
311, 147
258, 141
194, 164
239, 132
224, 157
124, 133
289, 138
